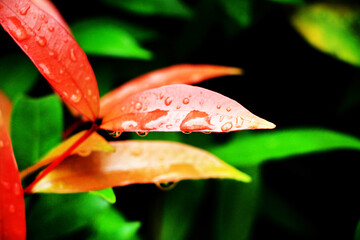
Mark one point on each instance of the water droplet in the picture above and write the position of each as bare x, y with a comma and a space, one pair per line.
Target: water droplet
123, 108
221, 118
169, 126
5, 185
61, 71
17, 29
1, 143
11, 208
84, 153
72, 55
115, 134
218, 106
23, 11
76, 97
41, 41
65, 94
51, 29
17, 189
89, 92
44, 69
138, 106
87, 78
239, 122
228, 109
51, 53
142, 134
168, 101
186, 132
186, 101
166, 186
226, 127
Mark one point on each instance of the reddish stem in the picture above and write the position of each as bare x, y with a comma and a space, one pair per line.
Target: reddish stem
58, 160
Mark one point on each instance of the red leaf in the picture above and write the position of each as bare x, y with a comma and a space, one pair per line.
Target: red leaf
12, 206
181, 107
182, 73
54, 52
136, 162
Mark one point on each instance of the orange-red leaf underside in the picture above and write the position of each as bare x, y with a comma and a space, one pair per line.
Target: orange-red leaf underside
54, 52
181, 107
136, 162
181, 73
12, 206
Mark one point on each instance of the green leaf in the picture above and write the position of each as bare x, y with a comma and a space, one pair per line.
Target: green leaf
332, 28
17, 74
105, 37
110, 224
107, 194
36, 127
180, 209
357, 232
239, 10
169, 8
237, 206
252, 148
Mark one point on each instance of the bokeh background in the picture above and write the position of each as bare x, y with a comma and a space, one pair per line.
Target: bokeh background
301, 71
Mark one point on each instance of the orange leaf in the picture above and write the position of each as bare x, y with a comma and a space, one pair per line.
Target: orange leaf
181, 107
5, 109
136, 162
181, 73
54, 52
94, 142
12, 206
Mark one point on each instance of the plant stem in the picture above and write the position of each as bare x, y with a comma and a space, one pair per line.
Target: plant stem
59, 159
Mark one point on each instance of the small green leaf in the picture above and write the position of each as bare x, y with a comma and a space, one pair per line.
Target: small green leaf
357, 232
237, 206
180, 209
250, 148
332, 28
17, 75
36, 127
106, 37
107, 194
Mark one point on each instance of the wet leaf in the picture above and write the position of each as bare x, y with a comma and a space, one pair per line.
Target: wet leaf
181, 73
255, 148
241, 11
170, 8
54, 52
5, 109
332, 28
180, 107
12, 206
31, 140
106, 38
136, 162
94, 142
18, 75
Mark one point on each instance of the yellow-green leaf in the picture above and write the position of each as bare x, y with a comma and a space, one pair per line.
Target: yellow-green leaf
136, 162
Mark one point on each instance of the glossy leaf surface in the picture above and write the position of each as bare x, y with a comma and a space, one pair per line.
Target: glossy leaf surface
31, 139
12, 207
256, 148
330, 28
181, 73
54, 52
94, 142
136, 162
183, 108
107, 38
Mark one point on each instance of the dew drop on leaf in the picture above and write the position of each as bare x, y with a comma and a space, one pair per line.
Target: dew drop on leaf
76, 97
226, 127
72, 55
168, 101
138, 106
186, 132
41, 41
115, 134
17, 29
17, 189
186, 101
166, 186
239, 122
51, 29
142, 134
228, 109
1, 143
23, 11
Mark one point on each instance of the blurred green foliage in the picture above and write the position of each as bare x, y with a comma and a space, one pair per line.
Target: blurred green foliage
301, 62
